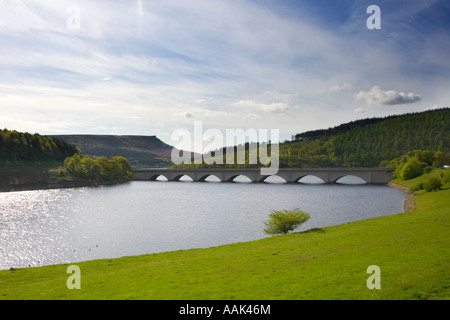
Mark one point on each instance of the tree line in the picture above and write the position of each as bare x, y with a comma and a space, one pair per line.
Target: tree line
18, 147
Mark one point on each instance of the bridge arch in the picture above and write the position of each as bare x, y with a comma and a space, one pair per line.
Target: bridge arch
158, 177
315, 178
310, 179
350, 179
242, 178
209, 178
272, 179
182, 177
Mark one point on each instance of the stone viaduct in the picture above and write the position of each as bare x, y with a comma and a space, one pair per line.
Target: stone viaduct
290, 175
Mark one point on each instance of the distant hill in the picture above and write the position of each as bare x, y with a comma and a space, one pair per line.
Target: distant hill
140, 151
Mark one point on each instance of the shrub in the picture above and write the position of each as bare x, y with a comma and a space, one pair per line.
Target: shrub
433, 183
427, 169
282, 222
418, 187
446, 177
61, 173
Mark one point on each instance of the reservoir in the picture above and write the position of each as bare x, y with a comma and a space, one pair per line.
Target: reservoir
55, 226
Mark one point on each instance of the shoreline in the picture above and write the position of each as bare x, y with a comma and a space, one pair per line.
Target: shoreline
57, 185
32, 178
409, 203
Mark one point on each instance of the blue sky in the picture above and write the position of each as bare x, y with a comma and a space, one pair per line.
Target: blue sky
151, 67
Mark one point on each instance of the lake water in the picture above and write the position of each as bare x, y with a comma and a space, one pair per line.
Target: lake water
70, 225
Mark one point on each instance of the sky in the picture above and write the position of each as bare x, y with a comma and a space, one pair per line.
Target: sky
152, 67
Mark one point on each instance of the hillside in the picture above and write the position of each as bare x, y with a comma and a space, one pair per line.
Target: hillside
368, 142
140, 151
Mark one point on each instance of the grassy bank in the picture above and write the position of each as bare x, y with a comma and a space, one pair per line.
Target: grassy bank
411, 249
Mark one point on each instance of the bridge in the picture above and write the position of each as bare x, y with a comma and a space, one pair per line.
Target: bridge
290, 175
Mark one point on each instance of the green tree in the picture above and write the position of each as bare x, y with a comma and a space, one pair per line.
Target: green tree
72, 163
427, 156
412, 168
282, 222
96, 172
439, 159
124, 165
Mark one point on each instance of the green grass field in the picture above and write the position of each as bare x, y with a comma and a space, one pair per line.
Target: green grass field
411, 250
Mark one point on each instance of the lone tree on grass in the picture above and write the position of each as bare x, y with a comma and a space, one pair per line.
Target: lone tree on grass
281, 222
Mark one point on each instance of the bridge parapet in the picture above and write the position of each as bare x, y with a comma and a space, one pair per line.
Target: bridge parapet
290, 175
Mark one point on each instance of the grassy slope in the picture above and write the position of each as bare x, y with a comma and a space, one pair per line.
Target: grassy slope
411, 249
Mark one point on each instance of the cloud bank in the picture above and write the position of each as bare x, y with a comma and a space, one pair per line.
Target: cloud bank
389, 97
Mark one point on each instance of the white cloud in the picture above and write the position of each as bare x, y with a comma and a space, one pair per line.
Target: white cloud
360, 110
275, 107
186, 114
278, 108
252, 117
390, 97
341, 87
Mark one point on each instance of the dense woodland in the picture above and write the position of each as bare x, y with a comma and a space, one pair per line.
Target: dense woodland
18, 147
363, 143
369, 143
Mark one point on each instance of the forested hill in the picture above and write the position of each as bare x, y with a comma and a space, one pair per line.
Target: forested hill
342, 128
140, 151
19, 147
368, 142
